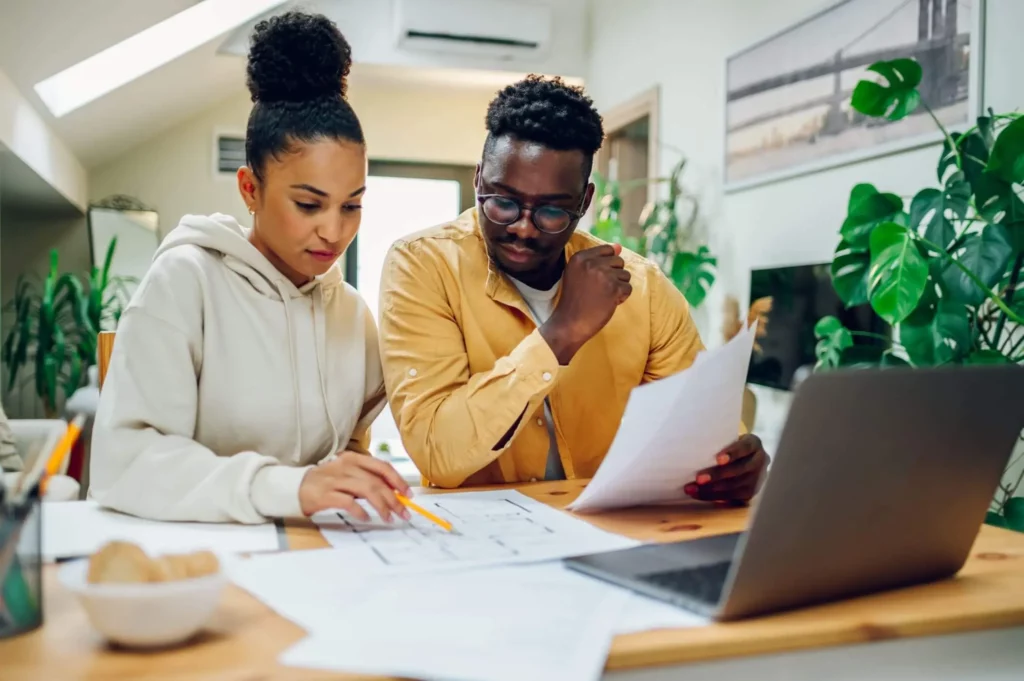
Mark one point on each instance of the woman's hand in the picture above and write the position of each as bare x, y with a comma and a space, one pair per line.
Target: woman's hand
351, 476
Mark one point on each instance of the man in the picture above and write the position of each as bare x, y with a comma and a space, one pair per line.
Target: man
510, 342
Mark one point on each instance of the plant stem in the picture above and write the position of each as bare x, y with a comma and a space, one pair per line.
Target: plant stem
945, 133
1010, 314
1018, 263
1016, 345
988, 340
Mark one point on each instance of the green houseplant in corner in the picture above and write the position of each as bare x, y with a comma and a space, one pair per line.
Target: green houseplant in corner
947, 270
668, 227
54, 326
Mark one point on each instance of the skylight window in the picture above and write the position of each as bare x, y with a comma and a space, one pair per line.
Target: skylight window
145, 51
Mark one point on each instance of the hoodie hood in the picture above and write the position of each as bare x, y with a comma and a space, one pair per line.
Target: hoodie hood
223, 234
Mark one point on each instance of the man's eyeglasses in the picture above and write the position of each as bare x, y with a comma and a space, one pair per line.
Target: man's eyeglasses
504, 211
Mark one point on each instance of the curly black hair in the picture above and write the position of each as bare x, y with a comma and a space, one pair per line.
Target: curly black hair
546, 111
297, 70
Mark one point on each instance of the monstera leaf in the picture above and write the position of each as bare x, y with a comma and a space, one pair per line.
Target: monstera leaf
986, 254
867, 209
1007, 158
833, 339
849, 271
897, 97
898, 274
944, 337
933, 211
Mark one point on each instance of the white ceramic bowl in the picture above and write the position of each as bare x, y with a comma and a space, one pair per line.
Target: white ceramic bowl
145, 615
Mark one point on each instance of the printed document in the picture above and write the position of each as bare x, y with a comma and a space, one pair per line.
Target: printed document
489, 528
671, 429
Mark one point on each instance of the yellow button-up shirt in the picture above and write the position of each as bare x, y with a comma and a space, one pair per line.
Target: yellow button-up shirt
463, 360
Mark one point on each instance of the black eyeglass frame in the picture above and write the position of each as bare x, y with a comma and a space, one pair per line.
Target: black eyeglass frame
573, 215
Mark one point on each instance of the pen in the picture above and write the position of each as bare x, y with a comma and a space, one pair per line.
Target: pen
424, 512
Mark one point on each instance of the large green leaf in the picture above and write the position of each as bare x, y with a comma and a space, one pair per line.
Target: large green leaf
986, 254
1001, 203
895, 99
933, 211
898, 274
915, 332
693, 274
1014, 513
938, 331
973, 150
850, 274
1007, 159
833, 338
868, 208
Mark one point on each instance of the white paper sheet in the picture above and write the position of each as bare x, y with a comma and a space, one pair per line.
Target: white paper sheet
320, 593
491, 624
78, 528
671, 429
491, 528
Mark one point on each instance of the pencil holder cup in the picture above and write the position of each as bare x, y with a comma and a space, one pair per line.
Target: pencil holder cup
21, 567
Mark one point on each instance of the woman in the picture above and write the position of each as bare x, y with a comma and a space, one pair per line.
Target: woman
245, 372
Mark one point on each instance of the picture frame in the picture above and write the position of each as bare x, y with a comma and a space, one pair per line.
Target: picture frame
787, 107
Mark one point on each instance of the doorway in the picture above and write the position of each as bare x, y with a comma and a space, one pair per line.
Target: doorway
400, 199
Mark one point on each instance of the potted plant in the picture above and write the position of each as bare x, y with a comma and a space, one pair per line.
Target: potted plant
54, 327
668, 228
947, 270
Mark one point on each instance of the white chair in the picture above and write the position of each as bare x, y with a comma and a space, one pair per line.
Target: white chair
30, 436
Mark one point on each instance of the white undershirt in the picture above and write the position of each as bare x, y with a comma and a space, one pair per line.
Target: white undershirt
542, 304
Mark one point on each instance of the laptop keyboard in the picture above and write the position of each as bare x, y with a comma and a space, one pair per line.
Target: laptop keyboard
704, 583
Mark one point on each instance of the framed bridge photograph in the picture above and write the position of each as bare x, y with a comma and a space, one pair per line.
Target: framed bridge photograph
787, 106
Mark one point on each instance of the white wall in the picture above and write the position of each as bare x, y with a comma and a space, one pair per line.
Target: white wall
369, 27
173, 172
684, 47
24, 132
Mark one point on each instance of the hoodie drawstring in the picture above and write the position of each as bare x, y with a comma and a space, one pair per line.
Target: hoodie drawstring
286, 299
321, 351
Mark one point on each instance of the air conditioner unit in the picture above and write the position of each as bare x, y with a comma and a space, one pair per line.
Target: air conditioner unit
503, 30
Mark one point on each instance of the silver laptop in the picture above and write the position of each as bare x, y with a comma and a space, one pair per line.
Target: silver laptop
882, 480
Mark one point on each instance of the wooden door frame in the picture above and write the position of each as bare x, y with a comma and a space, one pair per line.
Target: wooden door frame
647, 103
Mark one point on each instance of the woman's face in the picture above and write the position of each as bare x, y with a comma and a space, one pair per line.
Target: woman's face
308, 205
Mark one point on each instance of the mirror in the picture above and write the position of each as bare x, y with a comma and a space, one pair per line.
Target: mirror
136, 228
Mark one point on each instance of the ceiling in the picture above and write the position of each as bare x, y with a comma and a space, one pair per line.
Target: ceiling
34, 46
21, 188
39, 38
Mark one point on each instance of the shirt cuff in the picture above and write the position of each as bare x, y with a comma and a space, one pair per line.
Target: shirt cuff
535, 361
275, 491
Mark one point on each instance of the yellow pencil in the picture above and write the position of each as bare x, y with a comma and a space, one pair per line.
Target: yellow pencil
424, 512
61, 451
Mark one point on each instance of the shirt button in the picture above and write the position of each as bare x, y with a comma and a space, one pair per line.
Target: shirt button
413, 372
546, 376
533, 479
540, 422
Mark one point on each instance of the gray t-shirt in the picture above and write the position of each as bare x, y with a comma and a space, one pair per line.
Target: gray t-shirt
542, 304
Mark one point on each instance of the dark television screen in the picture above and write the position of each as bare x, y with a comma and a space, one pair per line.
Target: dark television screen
800, 296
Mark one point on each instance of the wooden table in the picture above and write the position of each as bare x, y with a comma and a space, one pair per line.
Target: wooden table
246, 638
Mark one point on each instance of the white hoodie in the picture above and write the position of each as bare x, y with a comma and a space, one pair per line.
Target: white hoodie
227, 382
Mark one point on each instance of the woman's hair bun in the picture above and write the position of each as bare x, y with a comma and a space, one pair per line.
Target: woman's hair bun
295, 57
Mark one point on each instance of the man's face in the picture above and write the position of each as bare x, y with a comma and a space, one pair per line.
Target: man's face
534, 176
